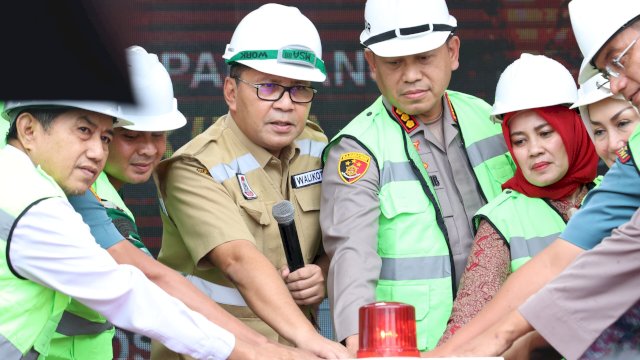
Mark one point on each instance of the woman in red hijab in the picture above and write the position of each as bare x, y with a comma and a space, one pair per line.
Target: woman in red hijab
556, 166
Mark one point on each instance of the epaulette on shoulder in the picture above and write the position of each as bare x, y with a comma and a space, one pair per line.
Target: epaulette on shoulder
314, 126
623, 154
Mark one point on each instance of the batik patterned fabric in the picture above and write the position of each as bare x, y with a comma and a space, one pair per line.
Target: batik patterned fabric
620, 340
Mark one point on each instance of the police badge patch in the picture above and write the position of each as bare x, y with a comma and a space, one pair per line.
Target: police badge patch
352, 166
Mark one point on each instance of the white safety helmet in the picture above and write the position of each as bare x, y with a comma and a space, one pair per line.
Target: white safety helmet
533, 81
278, 40
592, 91
595, 22
13, 108
406, 27
155, 108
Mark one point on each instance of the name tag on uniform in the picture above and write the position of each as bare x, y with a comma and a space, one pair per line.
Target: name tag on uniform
306, 178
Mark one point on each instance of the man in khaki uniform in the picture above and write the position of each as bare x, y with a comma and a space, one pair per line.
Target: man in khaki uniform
219, 189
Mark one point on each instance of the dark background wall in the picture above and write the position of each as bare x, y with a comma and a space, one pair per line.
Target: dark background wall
189, 37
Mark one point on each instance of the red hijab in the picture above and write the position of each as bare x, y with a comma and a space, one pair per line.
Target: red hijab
583, 160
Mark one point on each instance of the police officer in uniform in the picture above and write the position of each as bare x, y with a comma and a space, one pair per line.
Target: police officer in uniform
218, 190
405, 177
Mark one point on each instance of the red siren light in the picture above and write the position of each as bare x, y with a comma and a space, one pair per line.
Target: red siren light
387, 329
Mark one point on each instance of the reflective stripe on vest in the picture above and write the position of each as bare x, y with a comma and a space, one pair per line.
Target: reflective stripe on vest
527, 224
6, 221
8, 350
522, 247
485, 149
414, 271
396, 171
416, 268
416, 261
72, 325
483, 141
29, 312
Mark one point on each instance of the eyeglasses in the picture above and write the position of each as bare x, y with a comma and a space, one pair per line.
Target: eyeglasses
616, 66
273, 92
600, 85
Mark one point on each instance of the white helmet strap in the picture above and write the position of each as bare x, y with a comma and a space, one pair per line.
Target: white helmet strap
297, 55
406, 32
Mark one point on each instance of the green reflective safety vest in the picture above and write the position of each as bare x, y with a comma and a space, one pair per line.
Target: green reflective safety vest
29, 312
527, 225
82, 332
412, 243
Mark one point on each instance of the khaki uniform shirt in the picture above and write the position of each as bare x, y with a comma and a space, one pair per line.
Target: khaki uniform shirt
221, 187
350, 212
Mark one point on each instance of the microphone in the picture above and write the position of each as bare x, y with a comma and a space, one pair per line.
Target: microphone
283, 213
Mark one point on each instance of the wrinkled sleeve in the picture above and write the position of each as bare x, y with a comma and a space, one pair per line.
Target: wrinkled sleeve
605, 207
349, 220
53, 247
591, 294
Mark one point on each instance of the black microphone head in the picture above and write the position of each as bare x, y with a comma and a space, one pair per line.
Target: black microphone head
283, 212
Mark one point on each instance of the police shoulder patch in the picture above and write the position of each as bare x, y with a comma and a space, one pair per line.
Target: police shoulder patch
623, 154
352, 166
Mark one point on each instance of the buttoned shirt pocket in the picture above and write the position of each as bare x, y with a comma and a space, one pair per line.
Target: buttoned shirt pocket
308, 198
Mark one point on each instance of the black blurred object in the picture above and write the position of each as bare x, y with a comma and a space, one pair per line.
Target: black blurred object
65, 49
547, 353
283, 213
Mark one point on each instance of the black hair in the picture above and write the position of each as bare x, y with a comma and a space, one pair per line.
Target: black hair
236, 70
44, 115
